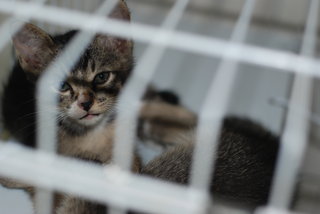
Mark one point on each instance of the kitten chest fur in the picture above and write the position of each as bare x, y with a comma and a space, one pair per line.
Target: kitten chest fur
94, 145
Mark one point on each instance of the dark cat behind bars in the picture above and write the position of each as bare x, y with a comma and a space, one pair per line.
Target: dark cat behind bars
246, 155
244, 166
245, 159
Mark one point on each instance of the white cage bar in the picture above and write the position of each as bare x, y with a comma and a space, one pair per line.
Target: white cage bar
283, 60
215, 105
136, 86
134, 89
97, 182
296, 132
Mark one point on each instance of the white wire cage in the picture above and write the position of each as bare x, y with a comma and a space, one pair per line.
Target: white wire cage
216, 47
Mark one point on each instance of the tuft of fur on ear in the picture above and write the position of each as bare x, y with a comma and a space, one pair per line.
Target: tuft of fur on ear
34, 49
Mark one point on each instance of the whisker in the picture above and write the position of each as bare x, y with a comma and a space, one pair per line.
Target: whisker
36, 112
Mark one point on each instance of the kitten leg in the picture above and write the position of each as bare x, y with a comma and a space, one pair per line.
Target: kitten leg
13, 184
161, 111
165, 134
166, 124
73, 205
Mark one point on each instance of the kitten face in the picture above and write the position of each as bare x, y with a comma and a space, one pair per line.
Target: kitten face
89, 92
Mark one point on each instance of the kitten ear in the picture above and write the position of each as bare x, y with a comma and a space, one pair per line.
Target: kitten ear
118, 46
121, 48
121, 11
34, 49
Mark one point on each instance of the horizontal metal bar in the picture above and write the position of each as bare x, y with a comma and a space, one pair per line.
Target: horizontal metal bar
285, 61
273, 210
105, 184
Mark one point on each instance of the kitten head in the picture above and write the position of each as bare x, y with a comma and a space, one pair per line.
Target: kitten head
90, 90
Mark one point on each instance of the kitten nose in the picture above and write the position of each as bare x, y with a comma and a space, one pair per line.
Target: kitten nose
86, 105
85, 101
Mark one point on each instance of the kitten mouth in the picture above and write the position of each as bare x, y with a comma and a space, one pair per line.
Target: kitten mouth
88, 116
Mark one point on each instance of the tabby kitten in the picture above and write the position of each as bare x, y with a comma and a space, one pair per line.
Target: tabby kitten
87, 97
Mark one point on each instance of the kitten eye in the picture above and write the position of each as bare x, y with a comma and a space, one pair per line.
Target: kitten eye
65, 87
101, 78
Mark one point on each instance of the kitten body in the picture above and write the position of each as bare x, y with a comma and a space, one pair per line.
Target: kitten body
163, 121
245, 159
244, 166
72, 205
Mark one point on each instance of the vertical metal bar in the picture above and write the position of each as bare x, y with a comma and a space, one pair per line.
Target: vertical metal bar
129, 103
43, 201
215, 105
295, 137
46, 121
13, 27
130, 98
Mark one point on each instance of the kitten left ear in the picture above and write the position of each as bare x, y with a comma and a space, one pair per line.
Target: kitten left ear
34, 48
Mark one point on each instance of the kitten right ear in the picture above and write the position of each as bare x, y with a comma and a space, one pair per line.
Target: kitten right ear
121, 11
34, 48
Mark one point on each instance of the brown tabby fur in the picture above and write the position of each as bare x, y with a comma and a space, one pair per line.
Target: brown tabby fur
87, 98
